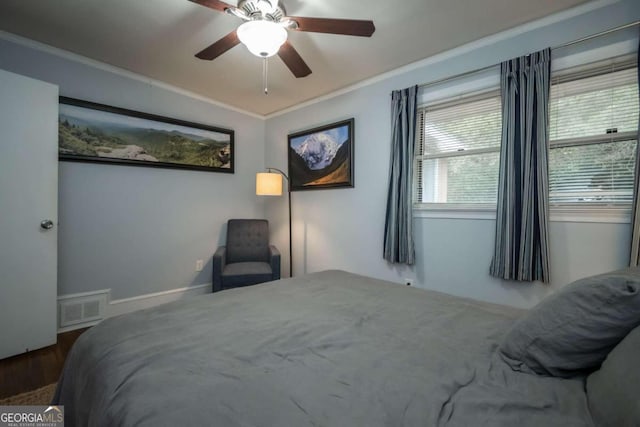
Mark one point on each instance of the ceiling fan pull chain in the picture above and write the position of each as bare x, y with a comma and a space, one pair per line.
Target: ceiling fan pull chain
265, 75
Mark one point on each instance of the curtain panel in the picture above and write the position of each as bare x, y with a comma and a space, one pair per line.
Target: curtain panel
521, 249
398, 226
635, 211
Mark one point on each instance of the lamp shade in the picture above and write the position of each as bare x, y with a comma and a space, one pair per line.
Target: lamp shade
268, 184
262, 38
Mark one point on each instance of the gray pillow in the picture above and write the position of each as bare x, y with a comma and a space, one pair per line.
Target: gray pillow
572, 331
614, 390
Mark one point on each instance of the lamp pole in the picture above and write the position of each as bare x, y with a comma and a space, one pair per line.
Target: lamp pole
290, 235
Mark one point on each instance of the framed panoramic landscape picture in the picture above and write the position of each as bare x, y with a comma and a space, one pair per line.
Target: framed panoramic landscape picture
322, 157
90, 132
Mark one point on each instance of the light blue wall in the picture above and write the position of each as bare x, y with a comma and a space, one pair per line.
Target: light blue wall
140, 230
455, 254
343, 228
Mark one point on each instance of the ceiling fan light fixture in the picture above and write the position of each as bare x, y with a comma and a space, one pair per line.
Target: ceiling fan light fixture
265, 6
262, 38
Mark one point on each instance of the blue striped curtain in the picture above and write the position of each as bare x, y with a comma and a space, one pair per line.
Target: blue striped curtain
635, 214
398, 225
522, 236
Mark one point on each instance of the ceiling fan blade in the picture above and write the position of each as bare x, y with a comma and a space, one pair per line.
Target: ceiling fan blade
349, 27
220, 6
293, 60
219, 47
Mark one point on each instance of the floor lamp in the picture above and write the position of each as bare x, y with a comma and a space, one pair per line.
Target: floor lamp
270, 184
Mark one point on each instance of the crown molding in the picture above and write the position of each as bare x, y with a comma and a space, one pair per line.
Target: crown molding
483, 42
457, 51
42, 47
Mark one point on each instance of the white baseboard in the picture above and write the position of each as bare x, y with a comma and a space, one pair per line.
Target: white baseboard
78, 326
128, 305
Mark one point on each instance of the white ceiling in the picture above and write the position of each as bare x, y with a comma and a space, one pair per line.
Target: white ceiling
158, 39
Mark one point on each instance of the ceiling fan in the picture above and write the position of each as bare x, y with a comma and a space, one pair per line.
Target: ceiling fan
264, 31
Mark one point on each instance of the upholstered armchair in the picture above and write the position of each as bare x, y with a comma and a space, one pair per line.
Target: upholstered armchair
247, 258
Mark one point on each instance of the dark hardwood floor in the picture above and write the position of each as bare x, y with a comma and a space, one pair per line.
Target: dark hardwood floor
37, 368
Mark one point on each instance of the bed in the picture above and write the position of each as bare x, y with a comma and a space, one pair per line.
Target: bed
326, 349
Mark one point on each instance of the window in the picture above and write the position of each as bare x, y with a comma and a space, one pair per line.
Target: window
593, 124
458, 150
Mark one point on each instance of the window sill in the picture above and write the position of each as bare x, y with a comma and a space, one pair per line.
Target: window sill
607, 214
613, 215
454, 211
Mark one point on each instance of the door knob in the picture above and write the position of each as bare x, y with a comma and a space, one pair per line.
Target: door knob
46, 224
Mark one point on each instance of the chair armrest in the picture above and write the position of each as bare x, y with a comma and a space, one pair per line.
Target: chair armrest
274, 260
219, 261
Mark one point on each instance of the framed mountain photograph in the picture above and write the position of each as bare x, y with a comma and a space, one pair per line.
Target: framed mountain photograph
90, 132
322, 157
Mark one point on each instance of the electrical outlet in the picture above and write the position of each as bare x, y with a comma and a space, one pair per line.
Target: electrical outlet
199, 265
408, 281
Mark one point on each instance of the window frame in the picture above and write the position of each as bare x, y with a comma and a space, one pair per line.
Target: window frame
615, 212
443, 207
569, 74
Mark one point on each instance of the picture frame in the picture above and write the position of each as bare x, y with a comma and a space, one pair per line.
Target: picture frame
322, 157
98, 133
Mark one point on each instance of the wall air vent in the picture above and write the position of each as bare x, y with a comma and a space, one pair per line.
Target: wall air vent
81, 310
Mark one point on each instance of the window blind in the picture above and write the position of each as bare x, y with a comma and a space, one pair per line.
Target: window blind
457, 154
593, 122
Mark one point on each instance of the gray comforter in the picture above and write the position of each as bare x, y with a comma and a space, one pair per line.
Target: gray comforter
327, 349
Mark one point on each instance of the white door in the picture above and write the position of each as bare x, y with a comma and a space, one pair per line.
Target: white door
28, 199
